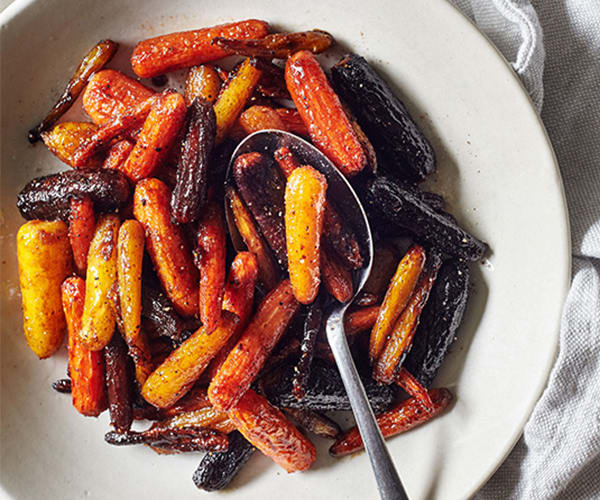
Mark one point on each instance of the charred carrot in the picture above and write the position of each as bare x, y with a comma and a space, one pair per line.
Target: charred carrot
44, 259
118, 384
166, 245
312, 327
82, 225
86, 367
304, 207
166, 53
360, 320
403, 417
130, 253
110, 93
396, 298
195, 399
277, 45
385, 262
118, 154
413, 388
267, 428
94, 60
246, 359
64, 138
400, 339
156, 137
293, 121
202, 82
174, 377
212, 250
238, 299
336, 278
267, 269
98, 321
234, 96
322, 112
257, 118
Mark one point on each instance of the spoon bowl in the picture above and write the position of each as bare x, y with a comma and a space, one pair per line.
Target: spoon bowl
342, 194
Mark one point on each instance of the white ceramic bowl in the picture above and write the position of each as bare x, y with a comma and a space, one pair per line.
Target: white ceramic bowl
496, 169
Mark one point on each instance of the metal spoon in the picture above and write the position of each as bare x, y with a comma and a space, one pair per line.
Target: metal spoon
339, 190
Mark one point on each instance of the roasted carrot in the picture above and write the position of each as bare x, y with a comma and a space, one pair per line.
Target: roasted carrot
166, 245
257, 118
396, 298
361, 319
185, 439
304, 207
233, 97
385, 262
64, 138
211, 252
322, 112
314, 422
267, 428
312, 327
268, 272
82, 225
98, 320
86, 367
286, 160
130, 253
44, 259
398, 344
209, 418
156, 137
118, 154
413, 388
94, 60
110, 93
175, 376
277, 45
166, 53
195, 399
202, 82
246, 359
403, 417
336, 278
272, 81
118, 384
238, 299
293, 121
118, 126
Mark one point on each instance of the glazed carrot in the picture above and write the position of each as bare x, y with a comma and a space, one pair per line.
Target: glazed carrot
360, 319
156, 137
82, 225
304, 207
195, 399
130, 253
119, 390
162, 54
98, 320
396, 298
203, 82
286, 160
336, 278
44, 258
117, 126
118, 154
267, 428
238, 299
64, 138
246, 359
209, 418
385, 262
257, 118
267, 269
398, 344
110, 93
413, 388
403, 417
93, 61
233, 97
211, 254
86, 368
175, 376
166, 245
293, 121
322, 112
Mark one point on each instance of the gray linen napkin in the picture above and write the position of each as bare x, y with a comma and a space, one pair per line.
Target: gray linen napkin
558, 455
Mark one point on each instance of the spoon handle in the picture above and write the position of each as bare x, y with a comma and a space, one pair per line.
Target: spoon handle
388, 482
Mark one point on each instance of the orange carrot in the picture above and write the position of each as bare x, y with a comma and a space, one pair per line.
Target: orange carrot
82, 225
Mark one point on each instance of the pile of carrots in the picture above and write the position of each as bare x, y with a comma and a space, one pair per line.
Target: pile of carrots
86, 255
